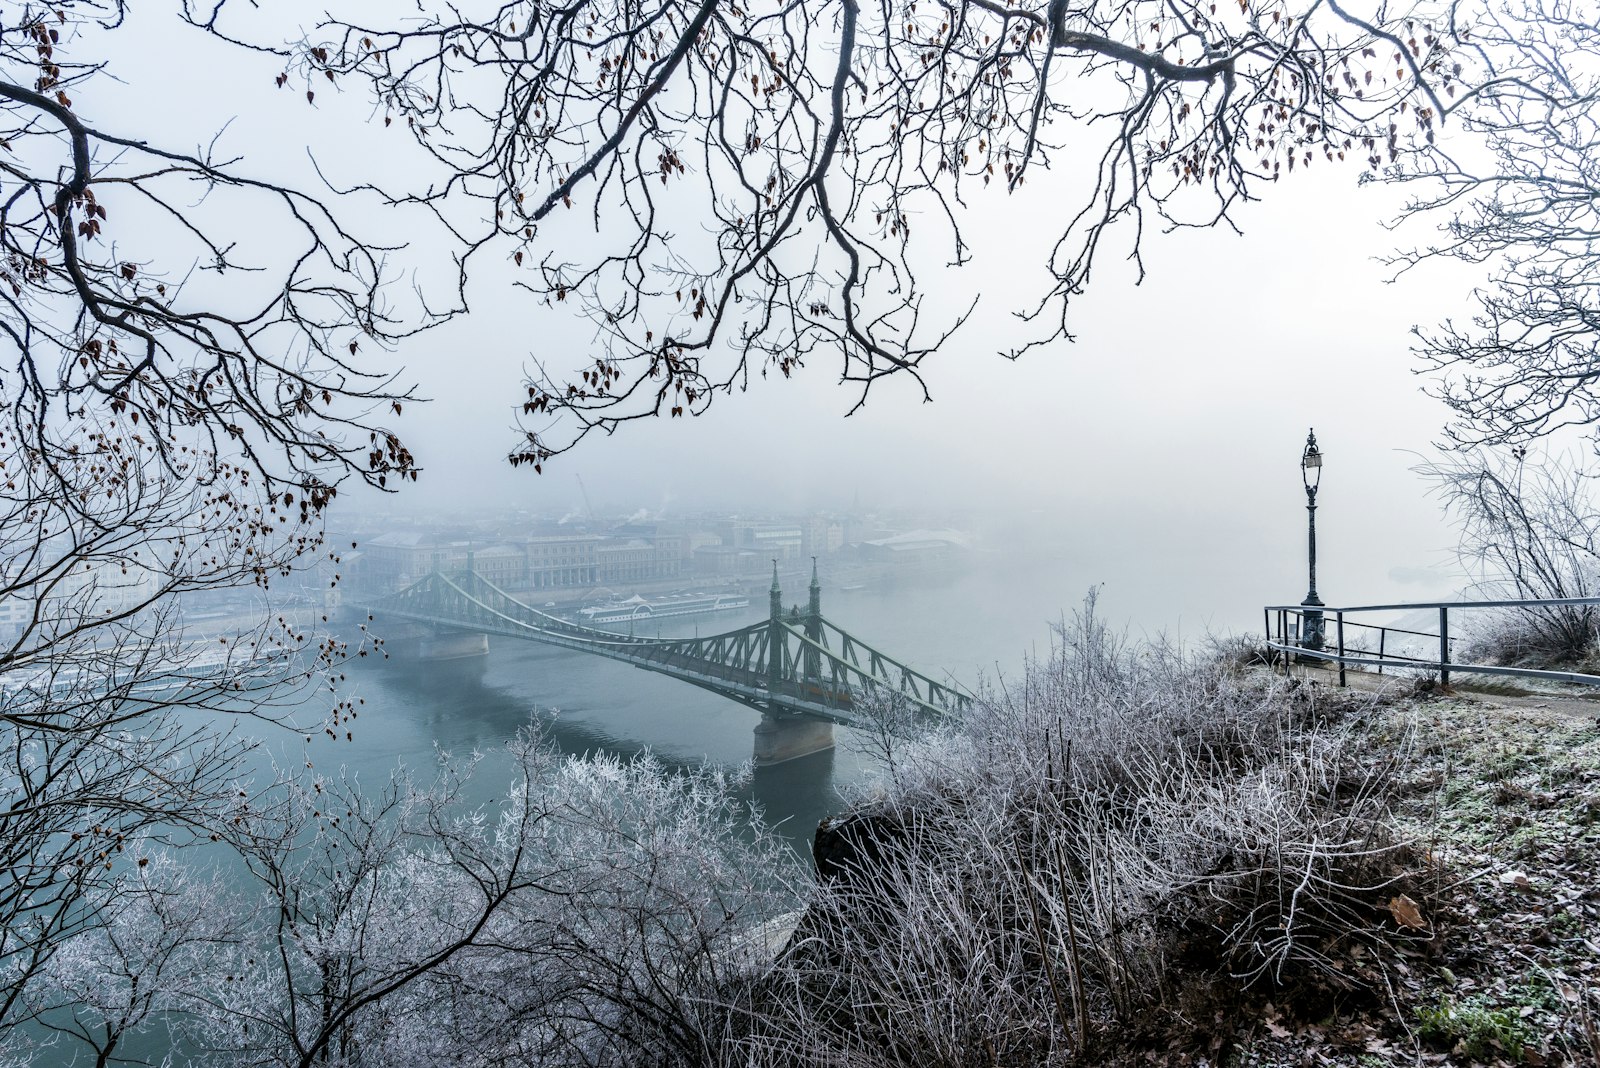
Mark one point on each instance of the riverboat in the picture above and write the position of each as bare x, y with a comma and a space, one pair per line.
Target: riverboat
194, 666
638, 609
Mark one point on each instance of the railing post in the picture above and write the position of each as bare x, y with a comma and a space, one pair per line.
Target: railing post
1283, 638
1383, 632
1339, 623
1444, 646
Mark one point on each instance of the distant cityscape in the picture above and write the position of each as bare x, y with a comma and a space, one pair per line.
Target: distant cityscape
566, 561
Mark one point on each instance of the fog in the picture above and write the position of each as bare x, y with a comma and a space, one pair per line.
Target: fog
1160, 450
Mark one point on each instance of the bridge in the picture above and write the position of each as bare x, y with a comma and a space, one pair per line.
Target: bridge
801, 671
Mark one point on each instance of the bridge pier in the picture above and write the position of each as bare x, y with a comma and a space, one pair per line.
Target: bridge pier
783, 738
452, 645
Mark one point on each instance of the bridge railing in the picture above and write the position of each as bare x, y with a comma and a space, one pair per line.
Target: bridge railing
1326, 633
880, 670
841, 678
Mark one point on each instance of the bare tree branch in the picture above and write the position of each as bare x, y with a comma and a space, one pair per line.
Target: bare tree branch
1523, 197
768, 182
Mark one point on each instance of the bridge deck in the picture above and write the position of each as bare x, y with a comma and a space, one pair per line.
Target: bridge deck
793, 664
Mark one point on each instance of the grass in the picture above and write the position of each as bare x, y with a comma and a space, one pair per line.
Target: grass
1473, 1028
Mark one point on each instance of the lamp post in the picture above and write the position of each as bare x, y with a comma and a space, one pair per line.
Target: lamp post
1311, 475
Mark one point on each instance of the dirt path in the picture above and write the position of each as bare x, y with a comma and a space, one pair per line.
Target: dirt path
1569, 702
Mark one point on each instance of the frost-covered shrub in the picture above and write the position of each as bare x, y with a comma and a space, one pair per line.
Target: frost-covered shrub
1556, 636
1529, 530
1105, 843
598, 915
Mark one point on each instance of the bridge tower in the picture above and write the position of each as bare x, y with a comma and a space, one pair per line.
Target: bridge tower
775, 642
780, 737
449, 643
813, 658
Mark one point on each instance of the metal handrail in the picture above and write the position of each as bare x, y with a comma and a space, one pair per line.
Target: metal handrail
1391, 630
1465, 669
1526, 603
1442, 663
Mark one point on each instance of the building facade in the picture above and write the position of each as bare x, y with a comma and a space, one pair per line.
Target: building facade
562, 561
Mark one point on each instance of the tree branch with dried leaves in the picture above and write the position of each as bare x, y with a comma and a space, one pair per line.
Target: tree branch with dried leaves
727, 189
179, 409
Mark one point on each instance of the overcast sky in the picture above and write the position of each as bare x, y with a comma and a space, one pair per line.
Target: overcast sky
1166, 440
1163, 447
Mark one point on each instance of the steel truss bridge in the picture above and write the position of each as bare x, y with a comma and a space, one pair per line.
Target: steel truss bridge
794, 664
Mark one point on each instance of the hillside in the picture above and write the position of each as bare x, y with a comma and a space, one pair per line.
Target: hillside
1137, 858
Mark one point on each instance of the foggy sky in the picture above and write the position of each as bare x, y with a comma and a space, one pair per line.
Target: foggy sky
1162, 449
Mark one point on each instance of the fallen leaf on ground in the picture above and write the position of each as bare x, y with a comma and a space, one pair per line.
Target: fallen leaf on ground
1406, 913
1517, 879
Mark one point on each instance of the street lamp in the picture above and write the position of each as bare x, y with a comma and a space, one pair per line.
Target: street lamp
1311, 474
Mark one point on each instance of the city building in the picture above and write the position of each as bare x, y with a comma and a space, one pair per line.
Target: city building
782, 542
621, 561
395, 560
562, 561
916, 550
503, 565
821, 535
15, 614
669, 548
728, 561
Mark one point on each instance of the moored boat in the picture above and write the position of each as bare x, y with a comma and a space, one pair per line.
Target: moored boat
639, 609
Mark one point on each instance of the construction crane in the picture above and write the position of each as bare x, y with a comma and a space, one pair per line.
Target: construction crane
593, 519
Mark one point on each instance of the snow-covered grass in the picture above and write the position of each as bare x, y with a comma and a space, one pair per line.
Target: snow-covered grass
1119, 843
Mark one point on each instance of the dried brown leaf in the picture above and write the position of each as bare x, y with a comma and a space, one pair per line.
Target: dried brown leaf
1406, 912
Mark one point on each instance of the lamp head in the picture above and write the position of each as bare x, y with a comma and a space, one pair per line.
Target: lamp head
1311, 462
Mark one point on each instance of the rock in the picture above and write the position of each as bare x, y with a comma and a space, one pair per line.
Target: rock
844, 845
